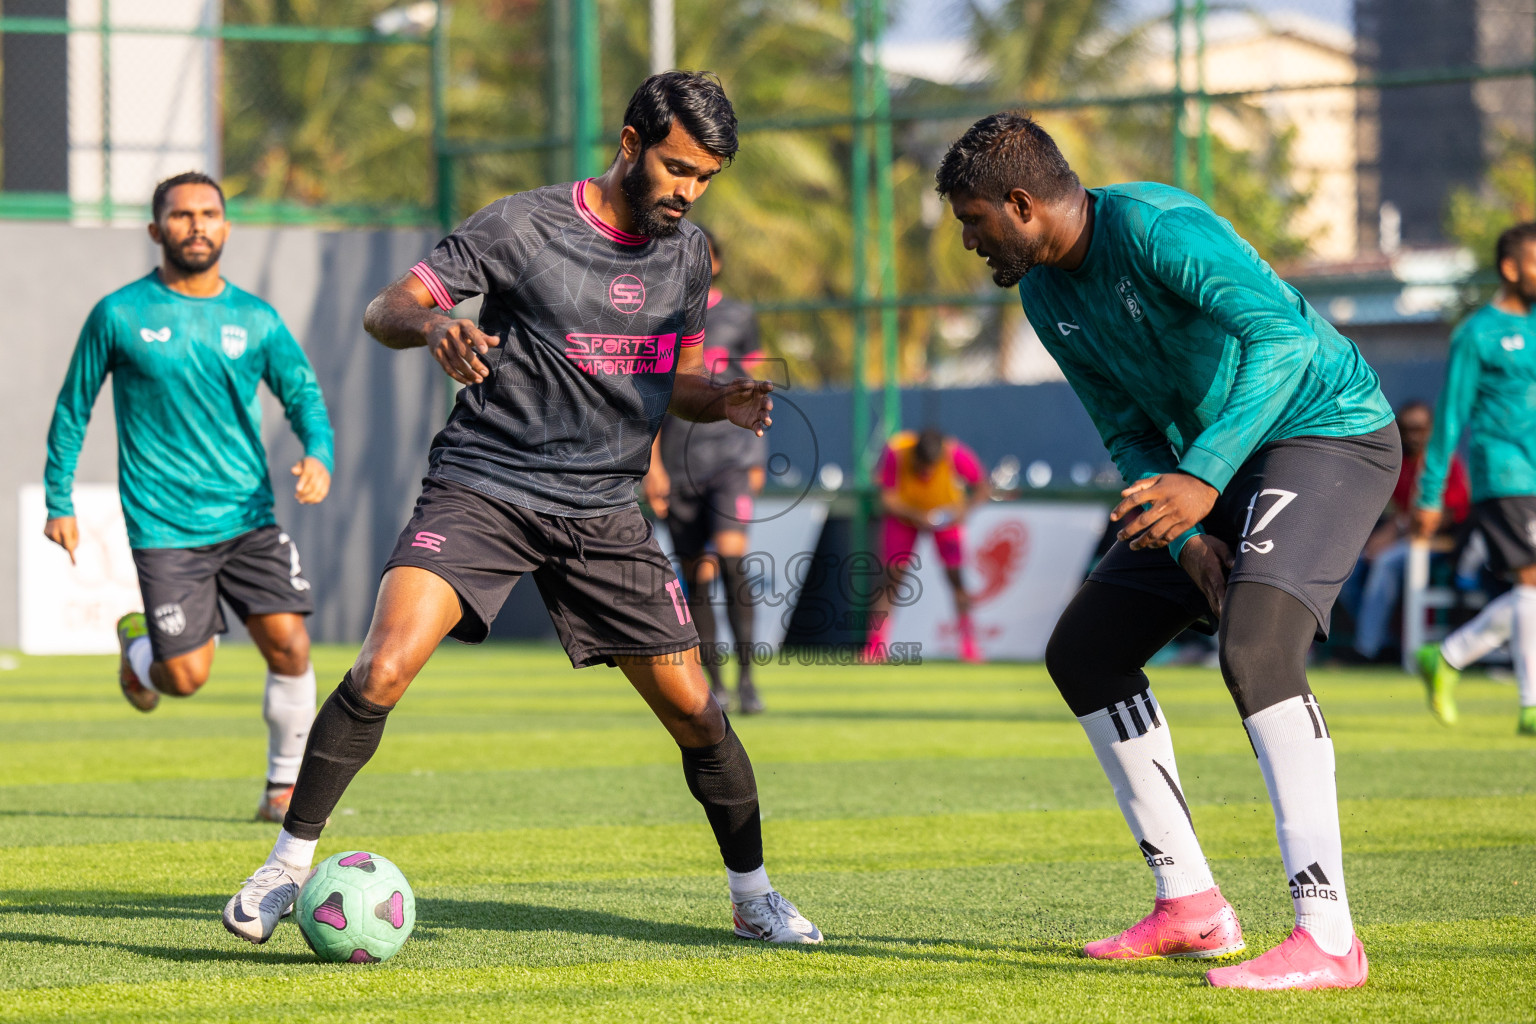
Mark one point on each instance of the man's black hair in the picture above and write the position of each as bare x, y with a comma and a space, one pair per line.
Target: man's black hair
693, 99
930, 445
1412, 405
157, 205
1002, 152
1510, 242
715, 244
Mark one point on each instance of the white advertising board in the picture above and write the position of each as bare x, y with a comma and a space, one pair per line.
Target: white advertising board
783, 530
1023, 563
73, 609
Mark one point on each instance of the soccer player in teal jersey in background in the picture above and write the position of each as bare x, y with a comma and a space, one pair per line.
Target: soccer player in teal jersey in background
1490, 392
186, 350
1259, 452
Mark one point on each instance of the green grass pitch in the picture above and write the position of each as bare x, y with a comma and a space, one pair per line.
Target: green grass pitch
946, 826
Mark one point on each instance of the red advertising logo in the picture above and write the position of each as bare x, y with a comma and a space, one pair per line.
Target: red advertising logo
627, 293
1000, 557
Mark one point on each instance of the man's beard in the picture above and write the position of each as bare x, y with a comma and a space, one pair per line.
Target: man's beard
646, 209
1009, 267
178, 257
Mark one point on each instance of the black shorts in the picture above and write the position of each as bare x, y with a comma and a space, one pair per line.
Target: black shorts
256, 573
696, 514
1295, 515
1509, 526
609, 589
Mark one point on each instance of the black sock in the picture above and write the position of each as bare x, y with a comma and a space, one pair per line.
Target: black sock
720, 778
738, 608
704, 621
345, 734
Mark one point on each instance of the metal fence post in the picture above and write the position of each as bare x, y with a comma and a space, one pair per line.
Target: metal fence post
1180, 141
106, 111
885, 213
447, 202
1204, 178
586, 88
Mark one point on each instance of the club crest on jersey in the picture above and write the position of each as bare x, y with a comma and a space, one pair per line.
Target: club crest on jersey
170, 619
1130, 298
1512, 342
619, 355
233, 340
627, 293
163, 334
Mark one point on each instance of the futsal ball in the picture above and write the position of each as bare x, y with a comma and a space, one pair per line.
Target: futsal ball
356, 908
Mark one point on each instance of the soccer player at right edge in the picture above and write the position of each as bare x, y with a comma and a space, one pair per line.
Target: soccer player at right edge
1490, 391
591, 331
1259, 452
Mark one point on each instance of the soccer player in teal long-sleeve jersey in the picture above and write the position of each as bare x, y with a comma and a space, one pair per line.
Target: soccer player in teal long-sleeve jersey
186, 350
1258, 452
1490, 393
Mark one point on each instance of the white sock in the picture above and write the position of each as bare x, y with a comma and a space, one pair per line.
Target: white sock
1296, 756
747, 884
289, 708
140, 657
1522, 644
1485, 634
1135, 749
293, 852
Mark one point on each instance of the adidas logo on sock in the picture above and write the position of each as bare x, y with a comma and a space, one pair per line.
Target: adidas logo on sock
1312, 886
1136, 715
1155, 858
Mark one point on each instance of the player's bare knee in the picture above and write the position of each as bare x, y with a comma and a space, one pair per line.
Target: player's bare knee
700, 726
289, 656
178, 680
381, 679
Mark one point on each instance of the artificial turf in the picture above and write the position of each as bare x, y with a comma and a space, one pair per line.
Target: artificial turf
946, 826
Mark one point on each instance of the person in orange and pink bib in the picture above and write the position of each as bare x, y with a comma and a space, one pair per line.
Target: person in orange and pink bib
928, 484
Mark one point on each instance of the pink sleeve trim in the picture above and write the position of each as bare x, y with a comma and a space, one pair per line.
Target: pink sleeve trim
967, 464
426, 276
689, 340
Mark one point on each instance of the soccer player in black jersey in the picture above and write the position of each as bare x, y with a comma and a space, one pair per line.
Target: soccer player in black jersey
703, 480
591, 331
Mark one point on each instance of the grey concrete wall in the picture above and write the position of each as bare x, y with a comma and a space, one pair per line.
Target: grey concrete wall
385, 406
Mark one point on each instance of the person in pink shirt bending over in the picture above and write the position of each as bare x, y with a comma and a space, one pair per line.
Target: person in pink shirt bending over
928, 483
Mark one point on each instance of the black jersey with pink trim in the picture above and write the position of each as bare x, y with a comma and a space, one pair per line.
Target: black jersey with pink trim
694, 452
591, 321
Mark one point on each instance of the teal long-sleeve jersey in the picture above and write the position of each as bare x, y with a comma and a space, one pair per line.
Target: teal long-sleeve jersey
1186, 348
191, 466
1490, 391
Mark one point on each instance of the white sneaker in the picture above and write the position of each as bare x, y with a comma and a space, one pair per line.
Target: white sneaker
265, 897
773, 918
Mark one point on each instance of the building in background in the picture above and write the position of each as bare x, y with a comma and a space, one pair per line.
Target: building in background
97, 117
1420, 143
1248, 50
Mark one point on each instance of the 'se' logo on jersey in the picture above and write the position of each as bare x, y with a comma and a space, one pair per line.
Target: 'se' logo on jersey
627, 293
1512, 342
163, 334
1130, 298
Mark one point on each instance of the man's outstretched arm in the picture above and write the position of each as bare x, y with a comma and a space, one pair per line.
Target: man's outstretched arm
405, 315
698, 398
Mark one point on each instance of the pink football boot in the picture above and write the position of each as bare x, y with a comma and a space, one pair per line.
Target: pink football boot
1295, 963
1200, 926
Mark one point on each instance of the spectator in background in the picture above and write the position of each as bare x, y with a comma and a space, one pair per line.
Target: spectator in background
928, 483
1386, 552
